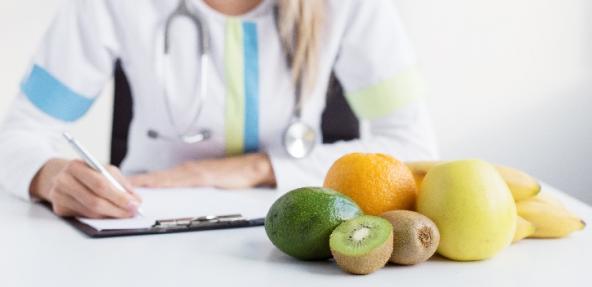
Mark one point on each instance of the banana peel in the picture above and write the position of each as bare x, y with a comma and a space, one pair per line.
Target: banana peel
524, 229
521, 184
550, 218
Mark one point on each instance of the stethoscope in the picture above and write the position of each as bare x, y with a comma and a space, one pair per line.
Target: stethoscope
299, 138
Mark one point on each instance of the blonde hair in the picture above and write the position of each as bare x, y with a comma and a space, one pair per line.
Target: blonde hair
300, 25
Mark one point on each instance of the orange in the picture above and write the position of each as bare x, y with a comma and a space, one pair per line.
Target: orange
376, 182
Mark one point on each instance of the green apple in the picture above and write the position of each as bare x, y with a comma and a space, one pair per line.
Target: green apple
472, 207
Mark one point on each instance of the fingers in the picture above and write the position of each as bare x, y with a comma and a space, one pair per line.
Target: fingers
136, 196
94, 203
101, 187
124, 181
184, 175
78, 190
142, 180
120, 178
159, 179
152, 180
81, 191
66, 206
72, 198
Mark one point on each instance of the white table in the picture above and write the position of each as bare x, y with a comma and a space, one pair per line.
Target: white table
39, 249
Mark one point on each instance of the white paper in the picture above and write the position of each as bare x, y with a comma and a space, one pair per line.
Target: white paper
191, 202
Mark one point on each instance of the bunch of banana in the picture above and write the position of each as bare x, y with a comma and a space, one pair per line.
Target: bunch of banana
522, 185
549, 216
539, 215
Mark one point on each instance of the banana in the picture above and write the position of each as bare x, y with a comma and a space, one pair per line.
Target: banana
420, 169
548, 199
523, 229
551, 219
521, 185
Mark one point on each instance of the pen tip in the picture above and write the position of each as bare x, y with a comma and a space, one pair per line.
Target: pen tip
140, 212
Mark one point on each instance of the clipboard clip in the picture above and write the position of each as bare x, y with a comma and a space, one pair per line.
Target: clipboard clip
201, 221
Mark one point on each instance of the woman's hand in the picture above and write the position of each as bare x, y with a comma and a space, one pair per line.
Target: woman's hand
244, 171
74, 189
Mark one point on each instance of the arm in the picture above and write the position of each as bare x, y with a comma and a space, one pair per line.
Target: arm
406, 134
68, 72
236, 172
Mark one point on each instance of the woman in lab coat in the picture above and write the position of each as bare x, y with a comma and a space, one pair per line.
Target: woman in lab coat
249, 102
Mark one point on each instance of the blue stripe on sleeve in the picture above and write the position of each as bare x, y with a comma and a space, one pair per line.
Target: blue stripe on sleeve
251, 70
54, 98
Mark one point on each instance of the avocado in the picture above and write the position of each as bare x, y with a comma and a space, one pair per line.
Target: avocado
301, 221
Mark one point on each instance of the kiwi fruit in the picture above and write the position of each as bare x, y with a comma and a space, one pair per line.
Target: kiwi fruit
416, 237
362, 245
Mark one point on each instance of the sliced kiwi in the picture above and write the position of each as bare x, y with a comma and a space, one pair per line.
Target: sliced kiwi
416, 237
362, 245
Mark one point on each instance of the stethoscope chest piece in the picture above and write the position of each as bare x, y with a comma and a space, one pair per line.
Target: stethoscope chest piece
299, 139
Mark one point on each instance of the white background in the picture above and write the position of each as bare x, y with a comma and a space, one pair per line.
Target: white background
510, 80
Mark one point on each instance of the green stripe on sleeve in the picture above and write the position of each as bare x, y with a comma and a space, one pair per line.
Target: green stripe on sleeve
234, 121
387, 96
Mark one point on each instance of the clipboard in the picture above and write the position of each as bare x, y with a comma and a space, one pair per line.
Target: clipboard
165, 226
185, 210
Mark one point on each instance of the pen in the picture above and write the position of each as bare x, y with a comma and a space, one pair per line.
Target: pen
94, 164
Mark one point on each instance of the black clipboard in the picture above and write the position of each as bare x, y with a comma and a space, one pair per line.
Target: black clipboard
205, 225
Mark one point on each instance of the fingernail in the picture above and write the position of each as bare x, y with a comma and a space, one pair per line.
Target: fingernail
133, 206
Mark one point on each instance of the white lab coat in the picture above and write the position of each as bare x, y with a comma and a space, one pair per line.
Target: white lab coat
250, 96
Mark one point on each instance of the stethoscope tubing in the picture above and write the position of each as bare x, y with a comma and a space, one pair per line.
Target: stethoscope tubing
298, 144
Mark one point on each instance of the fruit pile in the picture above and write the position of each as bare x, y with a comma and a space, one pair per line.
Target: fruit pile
539, 214
374, 209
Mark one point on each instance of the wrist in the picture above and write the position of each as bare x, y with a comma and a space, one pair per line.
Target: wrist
263, 171
44, 179
196, 172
